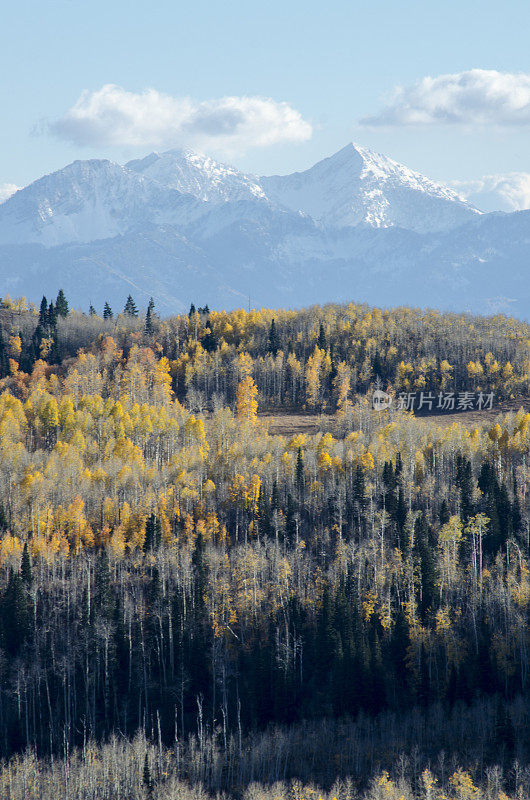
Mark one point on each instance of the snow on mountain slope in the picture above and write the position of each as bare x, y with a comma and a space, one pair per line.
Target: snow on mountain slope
98, 199
198, 175
359, 187
182, 227
87, 201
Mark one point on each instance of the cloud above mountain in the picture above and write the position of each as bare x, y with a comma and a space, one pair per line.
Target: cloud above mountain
510, 192
472, 97
112, 116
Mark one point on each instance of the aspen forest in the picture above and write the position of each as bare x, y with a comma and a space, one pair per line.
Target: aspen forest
192, 606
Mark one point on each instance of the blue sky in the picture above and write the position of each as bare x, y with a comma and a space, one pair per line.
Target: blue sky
332, 65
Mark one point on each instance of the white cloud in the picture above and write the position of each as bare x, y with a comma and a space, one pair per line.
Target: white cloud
473, 97
6, 190
112, 116
510, 192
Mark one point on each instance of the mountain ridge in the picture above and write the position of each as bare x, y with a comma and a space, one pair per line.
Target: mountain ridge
179, 225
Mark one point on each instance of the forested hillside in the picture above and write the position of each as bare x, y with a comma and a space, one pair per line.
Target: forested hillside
190, 604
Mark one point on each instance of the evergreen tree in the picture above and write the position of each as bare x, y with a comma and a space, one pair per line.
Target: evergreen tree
4, 362
36, 341
149, 328
107, 312
61, 305
91, 311
359, 488
321, 341
16, 620
444, 513
464, 479
130, 307
390, 484
3, 518
209, 340
427, 564
43, 312
25, 566
300, 474
192, 310
201, 572
274, 344
51, 318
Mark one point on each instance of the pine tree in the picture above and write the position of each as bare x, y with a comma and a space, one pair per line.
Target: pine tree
464, 479
107, 312
25, 566
149, 328
274, 344
4, 363
92, 311
36, 340
43, 313
427, 565
61, 305
15, 615
192, 310
3, 518
300, 474
359, 487
51, 317
209, 340
130, 307
321, 338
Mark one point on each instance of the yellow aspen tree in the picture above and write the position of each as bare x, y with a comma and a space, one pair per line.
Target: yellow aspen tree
312, 377
342, 388
246, 402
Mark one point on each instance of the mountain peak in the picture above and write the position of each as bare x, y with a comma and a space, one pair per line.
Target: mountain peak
83, 202
357, 186
199, 175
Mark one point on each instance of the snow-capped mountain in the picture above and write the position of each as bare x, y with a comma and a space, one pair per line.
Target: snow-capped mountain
198, 175
87, 201
181, 227
98, 199
358, 187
